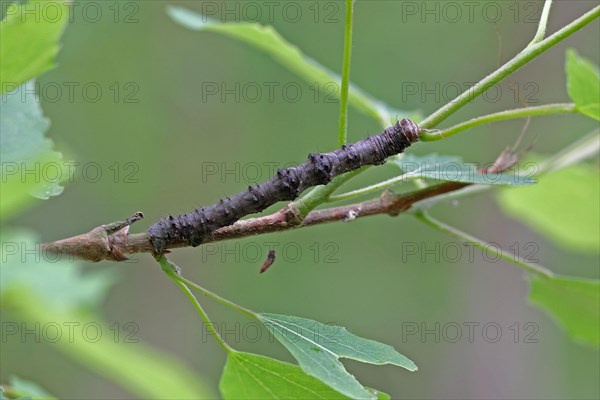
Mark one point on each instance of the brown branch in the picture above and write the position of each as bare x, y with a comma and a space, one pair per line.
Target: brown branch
113, 241
98, 244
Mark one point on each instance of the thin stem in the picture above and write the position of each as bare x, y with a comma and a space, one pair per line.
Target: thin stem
541, 30
218, 298
528, 54
170, 269
472, 240
343, 123
548, 109
377, 187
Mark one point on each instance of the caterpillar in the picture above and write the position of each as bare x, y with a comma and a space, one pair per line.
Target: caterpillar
286, 185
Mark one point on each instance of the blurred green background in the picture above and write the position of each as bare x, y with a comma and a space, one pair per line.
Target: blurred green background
155, 121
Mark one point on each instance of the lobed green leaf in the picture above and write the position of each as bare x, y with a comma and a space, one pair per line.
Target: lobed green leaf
318, 347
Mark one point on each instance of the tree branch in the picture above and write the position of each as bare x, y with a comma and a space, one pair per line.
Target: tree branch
98, 245
112, 241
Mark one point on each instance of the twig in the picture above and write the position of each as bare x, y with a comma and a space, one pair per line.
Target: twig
104, 242
104, 247
97, 245
91, 246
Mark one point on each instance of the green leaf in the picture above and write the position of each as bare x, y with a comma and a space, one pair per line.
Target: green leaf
29, 165
43, 289
318, 347
291, 57
250, 376
26, 388
583, 84
563, 207
573, 302
453, 169
30, 33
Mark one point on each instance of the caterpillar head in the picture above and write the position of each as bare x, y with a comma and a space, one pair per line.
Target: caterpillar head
409, 129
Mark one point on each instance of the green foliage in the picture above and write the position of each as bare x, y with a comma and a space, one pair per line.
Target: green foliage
30, 40
573, 302
29, 165
454, 169
250, 376
267, 39
30, 34
318, 347
583, 84
563, 207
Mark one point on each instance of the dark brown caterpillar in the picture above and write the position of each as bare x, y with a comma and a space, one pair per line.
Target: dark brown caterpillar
286, 185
